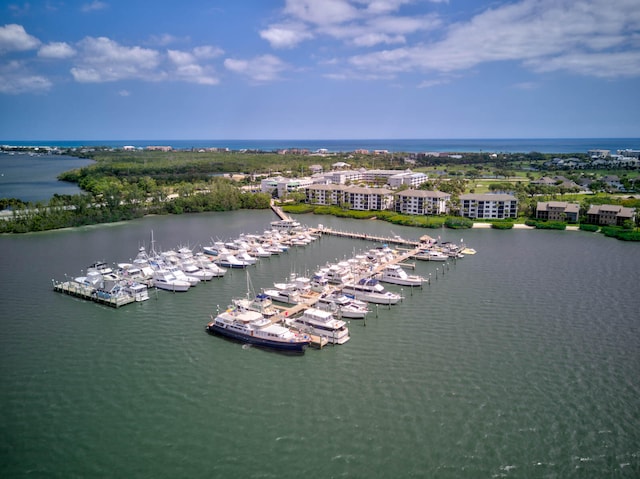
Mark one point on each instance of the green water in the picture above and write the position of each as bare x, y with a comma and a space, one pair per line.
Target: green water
520, 361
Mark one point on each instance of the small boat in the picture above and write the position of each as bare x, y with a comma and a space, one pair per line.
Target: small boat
323, 324
371, 291
394, 274
253, 328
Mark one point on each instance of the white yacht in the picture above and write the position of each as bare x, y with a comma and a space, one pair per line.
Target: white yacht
164, 279
284, 293
343, 306
394, 274
431, 255
371, 291
261, 303
285, 224
230, 261
138, 291
322, 323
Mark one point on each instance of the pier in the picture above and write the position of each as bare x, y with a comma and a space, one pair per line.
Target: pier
397, 240
311, 299
84, 292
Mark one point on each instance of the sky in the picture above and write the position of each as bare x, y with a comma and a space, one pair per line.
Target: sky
319, 69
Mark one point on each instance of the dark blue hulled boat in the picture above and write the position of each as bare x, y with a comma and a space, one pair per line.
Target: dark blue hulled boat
253, 328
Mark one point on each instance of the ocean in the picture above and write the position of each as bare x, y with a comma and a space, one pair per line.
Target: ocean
519, 361
508, 145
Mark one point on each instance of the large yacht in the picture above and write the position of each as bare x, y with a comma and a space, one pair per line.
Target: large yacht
253, 328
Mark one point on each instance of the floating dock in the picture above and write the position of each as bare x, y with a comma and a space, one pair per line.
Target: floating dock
80, 291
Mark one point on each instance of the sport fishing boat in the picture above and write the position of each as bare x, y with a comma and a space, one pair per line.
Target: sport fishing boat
322, 323
394, 274
343, 306
371, 291
253, 328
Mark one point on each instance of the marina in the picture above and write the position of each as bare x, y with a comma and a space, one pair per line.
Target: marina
308, 305
507, 344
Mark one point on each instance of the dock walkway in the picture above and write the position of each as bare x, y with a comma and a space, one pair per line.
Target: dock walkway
80, 291
397, 240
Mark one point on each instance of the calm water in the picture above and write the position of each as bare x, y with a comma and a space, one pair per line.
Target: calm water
34, 178
505, 145
521, 361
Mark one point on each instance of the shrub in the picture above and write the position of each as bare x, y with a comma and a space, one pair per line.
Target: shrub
551, 225
587, 227
458, 223
502, 225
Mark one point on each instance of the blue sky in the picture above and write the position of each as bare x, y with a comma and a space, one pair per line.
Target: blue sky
319, 69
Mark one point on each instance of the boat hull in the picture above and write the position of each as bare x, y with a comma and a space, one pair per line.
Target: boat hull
294, 346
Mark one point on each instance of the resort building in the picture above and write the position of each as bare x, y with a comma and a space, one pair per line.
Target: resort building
356, 197
284, 185
488, 206
610, 215
367, 199
325, 195
558, 211
421, 202
409, 178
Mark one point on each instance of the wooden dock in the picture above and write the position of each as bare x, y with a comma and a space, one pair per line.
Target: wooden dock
84, 292
396, 240
311, 299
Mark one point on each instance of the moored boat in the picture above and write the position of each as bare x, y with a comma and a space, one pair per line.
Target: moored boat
394, 274
343, 306
323, 324
371, 291
253, 328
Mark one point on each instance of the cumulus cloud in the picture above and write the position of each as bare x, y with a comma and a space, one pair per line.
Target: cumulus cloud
56, 50
104, 60
286, 35
16, 79
187, 68
259, 69
545, 35
361, 23
207, 51
14, 38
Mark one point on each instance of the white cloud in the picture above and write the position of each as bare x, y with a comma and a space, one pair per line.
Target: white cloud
187, 68
14, 38
94, 6
207, 51
124, 93
16, 79
546, 35
321, 12
286, 35
104, 60
360, 23
260, 69
56, 50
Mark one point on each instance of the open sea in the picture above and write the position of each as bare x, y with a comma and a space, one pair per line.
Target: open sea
505, 145
519, 361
